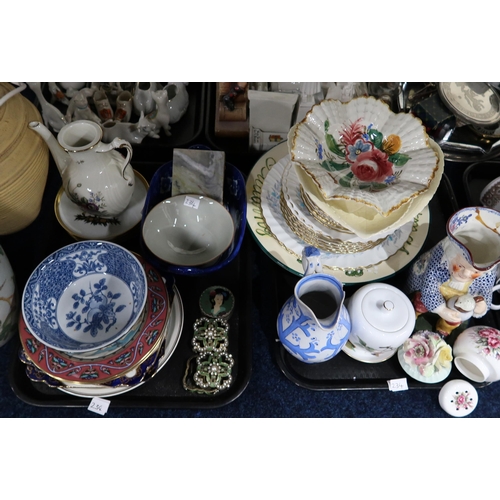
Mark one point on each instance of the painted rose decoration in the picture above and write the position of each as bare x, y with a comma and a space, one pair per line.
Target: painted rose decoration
488, 340
428, 352
367, 158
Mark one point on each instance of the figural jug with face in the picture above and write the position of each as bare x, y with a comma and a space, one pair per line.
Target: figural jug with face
462, 264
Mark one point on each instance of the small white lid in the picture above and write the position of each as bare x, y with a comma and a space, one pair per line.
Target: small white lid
387, 309
458, 398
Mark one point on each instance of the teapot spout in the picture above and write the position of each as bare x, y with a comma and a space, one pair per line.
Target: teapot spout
61, 158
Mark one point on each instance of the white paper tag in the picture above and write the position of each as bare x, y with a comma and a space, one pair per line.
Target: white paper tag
98, 405
398, 384
189, 201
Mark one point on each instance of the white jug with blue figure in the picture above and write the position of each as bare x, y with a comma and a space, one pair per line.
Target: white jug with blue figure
314, 324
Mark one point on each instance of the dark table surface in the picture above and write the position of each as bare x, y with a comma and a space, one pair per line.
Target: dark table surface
266, 390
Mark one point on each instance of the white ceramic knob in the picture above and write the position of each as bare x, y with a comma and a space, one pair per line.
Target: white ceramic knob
458, 398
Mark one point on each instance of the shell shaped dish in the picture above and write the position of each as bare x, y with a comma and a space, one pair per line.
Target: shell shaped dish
364, 152
84, 296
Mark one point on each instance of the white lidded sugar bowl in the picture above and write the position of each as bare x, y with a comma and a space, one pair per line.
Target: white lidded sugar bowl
382, 318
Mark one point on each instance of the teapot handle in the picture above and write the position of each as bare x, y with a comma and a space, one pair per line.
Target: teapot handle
118, 143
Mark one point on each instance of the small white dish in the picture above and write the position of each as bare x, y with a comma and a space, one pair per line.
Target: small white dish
84, 296
458, 398
188, 230
359, 354
83, 226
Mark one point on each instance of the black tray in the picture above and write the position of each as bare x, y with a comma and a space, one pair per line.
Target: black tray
476, 177
343, 372
27, 248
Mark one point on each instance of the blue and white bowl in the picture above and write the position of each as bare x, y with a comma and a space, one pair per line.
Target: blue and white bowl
84, 296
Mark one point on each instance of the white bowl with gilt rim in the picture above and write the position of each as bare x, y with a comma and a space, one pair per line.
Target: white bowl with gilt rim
188, 230
362, 151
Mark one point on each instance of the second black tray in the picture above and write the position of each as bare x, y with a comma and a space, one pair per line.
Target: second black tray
30, 246
343, 372
165, 389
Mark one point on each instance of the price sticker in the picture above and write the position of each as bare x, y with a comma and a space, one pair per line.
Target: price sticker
189, 201
398, 384
98, 405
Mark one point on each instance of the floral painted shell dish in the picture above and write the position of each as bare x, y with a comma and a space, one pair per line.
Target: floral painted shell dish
362, 151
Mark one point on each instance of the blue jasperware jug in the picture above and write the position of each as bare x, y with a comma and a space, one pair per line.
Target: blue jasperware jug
314, 324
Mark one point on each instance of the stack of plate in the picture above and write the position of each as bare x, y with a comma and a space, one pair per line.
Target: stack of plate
104, 327
353, 180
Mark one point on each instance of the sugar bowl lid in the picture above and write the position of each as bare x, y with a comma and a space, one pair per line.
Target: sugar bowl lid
383, 308
473, 103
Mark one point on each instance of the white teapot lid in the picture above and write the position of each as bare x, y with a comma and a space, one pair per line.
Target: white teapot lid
386, 308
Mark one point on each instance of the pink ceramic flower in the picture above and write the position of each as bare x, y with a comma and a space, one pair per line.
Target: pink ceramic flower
372, 166
428, 352
418, 351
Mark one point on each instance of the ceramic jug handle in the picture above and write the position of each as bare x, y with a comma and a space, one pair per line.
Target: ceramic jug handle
495, 307
118, 143
12, 93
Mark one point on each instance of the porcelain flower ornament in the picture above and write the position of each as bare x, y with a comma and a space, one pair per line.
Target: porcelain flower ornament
427, 352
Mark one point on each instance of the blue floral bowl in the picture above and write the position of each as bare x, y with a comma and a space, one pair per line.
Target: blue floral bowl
84, 296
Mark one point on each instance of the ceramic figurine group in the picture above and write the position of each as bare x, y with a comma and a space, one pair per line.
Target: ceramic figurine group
113, 105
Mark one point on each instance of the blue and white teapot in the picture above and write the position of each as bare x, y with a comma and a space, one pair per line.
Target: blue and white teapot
314, 324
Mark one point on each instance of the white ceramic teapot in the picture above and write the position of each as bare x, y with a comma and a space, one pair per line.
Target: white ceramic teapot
95, 176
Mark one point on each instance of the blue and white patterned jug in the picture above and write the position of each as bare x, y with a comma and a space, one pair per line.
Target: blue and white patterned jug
313, 325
